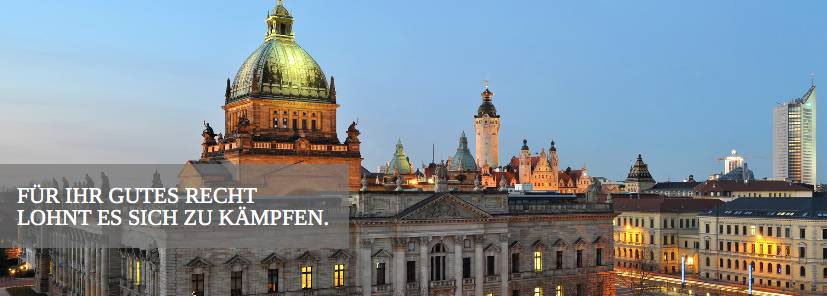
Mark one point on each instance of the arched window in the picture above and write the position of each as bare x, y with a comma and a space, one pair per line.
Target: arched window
802, 271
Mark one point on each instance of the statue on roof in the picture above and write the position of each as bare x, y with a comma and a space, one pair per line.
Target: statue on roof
208, 133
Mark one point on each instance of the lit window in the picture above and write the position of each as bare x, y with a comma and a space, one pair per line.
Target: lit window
307, 277
538, 291
558, 291
137, 272
338, 275
538, 261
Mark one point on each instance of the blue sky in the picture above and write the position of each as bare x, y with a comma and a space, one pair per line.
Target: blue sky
681, 82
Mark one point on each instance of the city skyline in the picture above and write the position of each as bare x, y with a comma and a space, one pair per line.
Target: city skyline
434, 102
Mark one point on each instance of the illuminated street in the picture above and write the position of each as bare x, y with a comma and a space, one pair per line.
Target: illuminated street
672, 286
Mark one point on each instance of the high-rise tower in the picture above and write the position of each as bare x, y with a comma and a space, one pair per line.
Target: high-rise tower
794, 139
487, 127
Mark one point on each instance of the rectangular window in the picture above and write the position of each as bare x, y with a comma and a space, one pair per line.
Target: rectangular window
802, 233
272, 280
769, 231
802, 252
538, 291
410, 272
466, 267
559, 258
558, 290
304, 124
380, 273
197, 285
538, 261
598, 257
581, 291
339, 275
579, 258
235, 283
307, 277
489, 265
824, 233
515, 262
295, 124
786, 232
313, 124
706, 226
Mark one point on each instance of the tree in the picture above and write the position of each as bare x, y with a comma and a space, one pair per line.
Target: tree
638, 276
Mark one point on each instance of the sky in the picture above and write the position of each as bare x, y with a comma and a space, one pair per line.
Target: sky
681, 82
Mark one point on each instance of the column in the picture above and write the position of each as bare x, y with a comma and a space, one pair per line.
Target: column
98, 268
398, 267
505, 254
365, 265
458, 244
423, 266
479, 263
87, 267
105, 272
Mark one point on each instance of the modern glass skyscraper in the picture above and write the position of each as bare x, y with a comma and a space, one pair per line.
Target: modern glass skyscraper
794, 139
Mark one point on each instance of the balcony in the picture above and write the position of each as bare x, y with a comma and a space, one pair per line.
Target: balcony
492, 278
412, 286
382, 288
442, 284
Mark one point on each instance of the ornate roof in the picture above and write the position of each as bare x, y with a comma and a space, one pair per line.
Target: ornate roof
279, 68
462, 160
639, 171
487, 107
400, 163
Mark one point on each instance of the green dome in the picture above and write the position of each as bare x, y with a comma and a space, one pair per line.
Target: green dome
462, 160
280, 68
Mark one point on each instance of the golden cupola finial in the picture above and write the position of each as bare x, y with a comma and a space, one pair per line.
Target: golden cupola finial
279, 22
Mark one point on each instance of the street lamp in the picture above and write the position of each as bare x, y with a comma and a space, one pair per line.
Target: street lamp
683, 271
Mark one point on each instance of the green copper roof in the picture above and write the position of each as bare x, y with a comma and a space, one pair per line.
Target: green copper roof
279, 68
400, 162
463, 161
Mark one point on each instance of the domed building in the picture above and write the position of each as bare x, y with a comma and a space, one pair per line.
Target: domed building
281, 109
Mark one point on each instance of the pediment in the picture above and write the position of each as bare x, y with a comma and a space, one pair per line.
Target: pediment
538, 244
307, 256
382, 254
492, 248
443, 206
273, 258
560, 243
237, 260
198, 262
516, 246
340, 254
600, 241
580, 242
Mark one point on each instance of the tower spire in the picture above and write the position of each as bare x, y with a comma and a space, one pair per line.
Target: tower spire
812, 79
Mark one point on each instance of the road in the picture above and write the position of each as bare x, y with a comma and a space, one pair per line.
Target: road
695, 287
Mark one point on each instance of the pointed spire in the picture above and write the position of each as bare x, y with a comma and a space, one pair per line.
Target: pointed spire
552, 148
332, 91
228, 91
